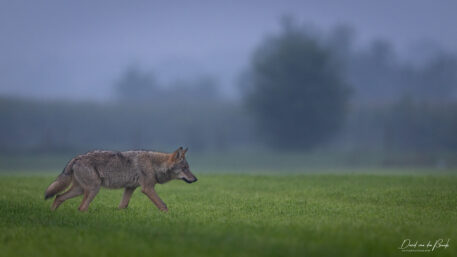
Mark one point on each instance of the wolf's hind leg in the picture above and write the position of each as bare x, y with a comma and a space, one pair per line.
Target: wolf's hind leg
89, 195
126, 197
74, 191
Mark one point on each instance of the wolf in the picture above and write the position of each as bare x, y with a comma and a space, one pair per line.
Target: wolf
87, 173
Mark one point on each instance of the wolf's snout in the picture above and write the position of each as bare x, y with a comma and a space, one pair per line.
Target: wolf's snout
192, 180
188, 176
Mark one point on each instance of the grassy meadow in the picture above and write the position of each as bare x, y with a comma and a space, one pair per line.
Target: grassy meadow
237, 215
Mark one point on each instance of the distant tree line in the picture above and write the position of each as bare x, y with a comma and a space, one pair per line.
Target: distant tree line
61, 126
305, 87
303, 90
399, 104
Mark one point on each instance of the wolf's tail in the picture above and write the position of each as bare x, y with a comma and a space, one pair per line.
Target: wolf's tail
61, 182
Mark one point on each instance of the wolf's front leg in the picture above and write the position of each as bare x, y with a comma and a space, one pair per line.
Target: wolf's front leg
126, 197
151, 193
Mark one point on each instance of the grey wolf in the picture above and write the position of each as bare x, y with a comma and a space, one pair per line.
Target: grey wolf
87, 173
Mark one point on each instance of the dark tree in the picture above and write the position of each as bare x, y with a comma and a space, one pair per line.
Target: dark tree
295, 91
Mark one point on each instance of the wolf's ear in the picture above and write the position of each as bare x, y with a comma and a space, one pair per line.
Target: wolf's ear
177, 155
185, 151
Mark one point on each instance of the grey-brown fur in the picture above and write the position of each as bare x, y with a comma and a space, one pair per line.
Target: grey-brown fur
89, 172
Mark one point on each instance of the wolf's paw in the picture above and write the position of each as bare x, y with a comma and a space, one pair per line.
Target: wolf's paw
122, 207
55, 204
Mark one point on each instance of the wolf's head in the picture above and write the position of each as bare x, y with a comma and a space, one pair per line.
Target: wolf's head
179, 167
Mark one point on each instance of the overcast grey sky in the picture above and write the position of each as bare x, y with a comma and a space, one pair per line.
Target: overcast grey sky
77, 49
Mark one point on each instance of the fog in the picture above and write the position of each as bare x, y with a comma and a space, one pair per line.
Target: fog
343, 83
76, 50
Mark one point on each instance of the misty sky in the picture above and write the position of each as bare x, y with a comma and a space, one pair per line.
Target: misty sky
77, 49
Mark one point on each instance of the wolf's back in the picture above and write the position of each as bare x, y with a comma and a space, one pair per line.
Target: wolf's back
61, 182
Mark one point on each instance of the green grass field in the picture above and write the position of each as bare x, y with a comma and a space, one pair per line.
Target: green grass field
237, 215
